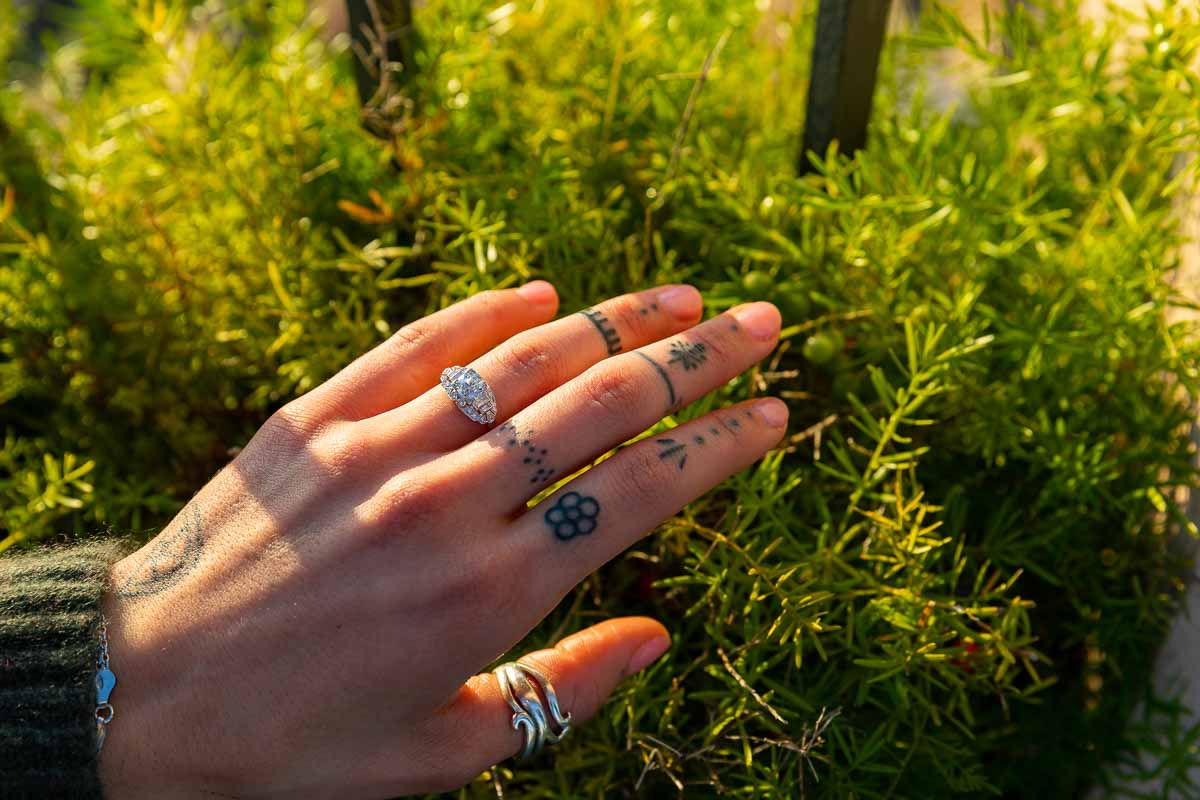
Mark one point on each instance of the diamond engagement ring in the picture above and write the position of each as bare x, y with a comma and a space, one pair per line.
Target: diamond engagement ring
520, 685
471, 393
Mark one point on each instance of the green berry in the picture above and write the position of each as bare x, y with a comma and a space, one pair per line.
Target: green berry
820, 348
795, 305
757, 283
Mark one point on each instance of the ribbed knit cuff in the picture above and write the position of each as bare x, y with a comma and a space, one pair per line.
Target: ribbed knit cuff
49, 629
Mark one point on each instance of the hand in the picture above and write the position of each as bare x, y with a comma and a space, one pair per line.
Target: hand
311, 623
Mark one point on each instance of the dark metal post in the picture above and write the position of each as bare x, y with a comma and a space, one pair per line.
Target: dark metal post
845, 61
383, 36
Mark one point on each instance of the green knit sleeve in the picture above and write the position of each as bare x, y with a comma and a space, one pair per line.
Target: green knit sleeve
49, 629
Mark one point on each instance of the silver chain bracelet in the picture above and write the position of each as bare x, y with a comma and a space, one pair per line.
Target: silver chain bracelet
105, 681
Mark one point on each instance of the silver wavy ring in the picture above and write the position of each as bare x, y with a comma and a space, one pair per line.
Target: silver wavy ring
471, 393
519, 683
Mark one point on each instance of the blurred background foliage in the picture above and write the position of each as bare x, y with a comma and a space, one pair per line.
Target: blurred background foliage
952, 577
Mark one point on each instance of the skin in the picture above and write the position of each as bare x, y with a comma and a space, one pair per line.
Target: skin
313, 623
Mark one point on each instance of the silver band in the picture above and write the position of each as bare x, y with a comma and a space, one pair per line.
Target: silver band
471, 393
519, 683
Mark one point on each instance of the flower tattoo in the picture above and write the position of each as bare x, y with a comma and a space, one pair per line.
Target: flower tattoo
689, 355
573, 515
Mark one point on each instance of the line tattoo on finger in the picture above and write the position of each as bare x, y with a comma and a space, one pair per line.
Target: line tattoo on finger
171, 556
689, 355
572, 515
612, 339
672, 399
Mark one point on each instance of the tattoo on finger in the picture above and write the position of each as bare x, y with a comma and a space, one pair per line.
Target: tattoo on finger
689, 355
676, 450
672, 398
612, 339
573, 515
532, 456
671, 450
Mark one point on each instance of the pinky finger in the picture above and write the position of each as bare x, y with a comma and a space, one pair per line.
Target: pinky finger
583, 669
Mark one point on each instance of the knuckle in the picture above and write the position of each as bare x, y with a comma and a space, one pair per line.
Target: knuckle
411, 337
491, 305
611, 390
640, 481
625, 312
291, 427
718, 347
406, 503
585, 691
489, 299
526, 357
339, 451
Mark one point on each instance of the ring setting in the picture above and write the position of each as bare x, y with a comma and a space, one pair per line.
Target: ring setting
520, 685
471, 393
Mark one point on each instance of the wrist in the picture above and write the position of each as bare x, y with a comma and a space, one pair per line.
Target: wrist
143, 741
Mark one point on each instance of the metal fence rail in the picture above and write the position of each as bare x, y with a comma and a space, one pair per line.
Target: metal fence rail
845, 62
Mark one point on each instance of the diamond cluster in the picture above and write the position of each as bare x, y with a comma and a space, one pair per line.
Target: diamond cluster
470, 393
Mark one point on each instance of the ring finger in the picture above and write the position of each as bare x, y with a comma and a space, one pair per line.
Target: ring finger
537, 361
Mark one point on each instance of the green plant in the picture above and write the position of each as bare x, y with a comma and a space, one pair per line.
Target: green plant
953, 577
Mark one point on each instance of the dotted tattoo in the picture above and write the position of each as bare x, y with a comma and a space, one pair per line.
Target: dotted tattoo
531, 455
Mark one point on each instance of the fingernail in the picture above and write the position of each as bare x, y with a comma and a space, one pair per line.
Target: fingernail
761, 320
681, 302
647, 654
773, 411
537, 292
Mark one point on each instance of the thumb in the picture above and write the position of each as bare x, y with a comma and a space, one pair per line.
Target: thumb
583, 670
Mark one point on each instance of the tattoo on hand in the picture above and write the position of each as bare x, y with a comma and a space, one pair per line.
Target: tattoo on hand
689, 355
573, 515
611, 338
532, 455
173, 554
662, 373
